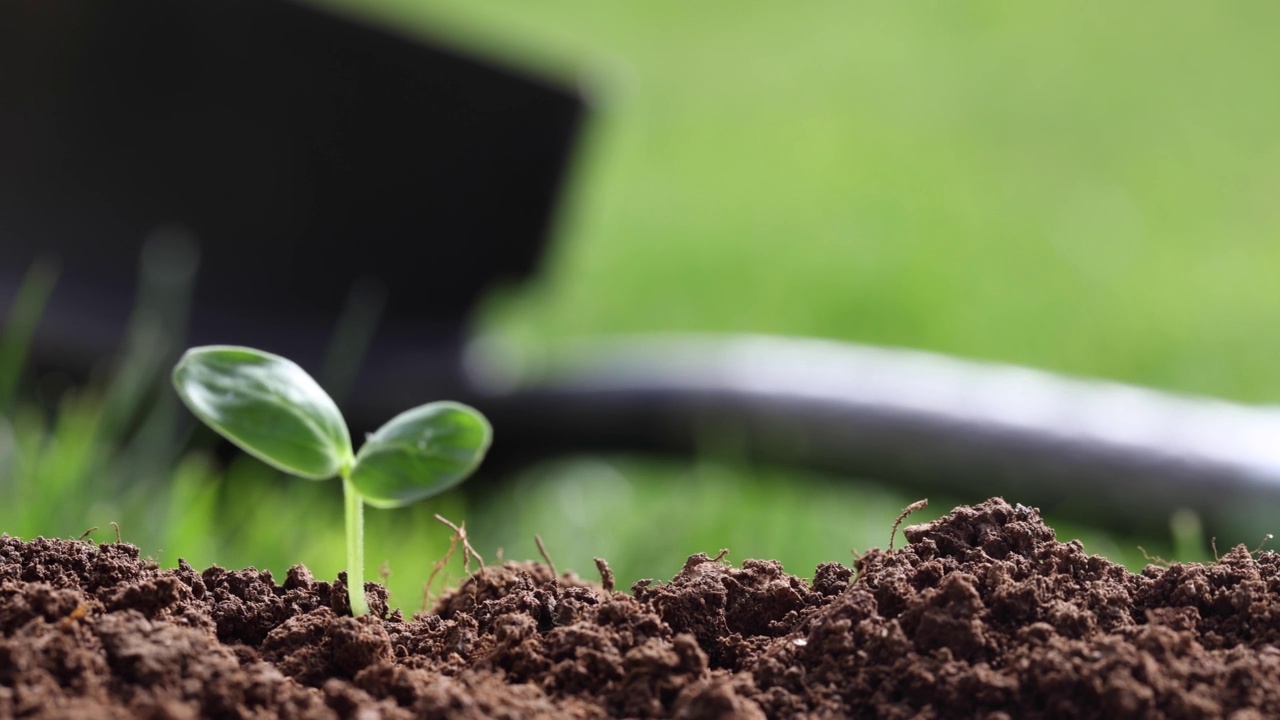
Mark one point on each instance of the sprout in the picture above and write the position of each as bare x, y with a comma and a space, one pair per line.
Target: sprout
275, 411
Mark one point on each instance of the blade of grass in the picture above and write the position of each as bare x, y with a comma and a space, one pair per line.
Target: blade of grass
24, 315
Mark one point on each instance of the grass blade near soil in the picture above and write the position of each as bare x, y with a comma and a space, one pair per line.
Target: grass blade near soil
24, 315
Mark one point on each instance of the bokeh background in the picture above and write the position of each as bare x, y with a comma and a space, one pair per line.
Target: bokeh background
1084, 188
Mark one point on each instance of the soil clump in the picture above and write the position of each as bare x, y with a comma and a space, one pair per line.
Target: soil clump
983, 614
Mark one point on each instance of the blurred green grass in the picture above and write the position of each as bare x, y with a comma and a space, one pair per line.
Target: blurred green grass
1083, 188
1088, 189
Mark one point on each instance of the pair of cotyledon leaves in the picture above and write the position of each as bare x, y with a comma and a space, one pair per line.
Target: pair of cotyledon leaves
276, 412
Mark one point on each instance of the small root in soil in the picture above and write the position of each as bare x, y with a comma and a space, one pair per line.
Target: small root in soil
606, 574
1265, 538
460, 535
917, 505
468, 552
537, 540
88, 532
1157, 560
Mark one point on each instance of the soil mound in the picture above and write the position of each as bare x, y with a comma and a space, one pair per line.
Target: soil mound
983, 614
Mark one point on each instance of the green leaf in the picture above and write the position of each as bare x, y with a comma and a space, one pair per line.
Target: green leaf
419, 453
268, 406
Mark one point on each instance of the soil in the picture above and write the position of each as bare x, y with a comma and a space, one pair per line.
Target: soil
982, 614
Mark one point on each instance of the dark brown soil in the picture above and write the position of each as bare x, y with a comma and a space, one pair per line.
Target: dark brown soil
983, 614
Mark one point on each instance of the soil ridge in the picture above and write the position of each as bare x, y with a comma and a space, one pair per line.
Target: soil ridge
982, 614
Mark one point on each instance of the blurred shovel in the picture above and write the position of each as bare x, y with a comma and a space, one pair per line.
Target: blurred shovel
1104, 453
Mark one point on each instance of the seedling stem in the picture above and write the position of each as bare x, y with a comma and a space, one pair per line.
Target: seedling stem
354, 512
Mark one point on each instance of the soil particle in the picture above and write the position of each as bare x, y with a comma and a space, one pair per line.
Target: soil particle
982, 615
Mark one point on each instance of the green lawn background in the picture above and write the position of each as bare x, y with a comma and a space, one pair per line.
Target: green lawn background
1089, 188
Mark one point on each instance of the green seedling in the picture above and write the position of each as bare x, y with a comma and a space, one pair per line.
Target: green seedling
275, 411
